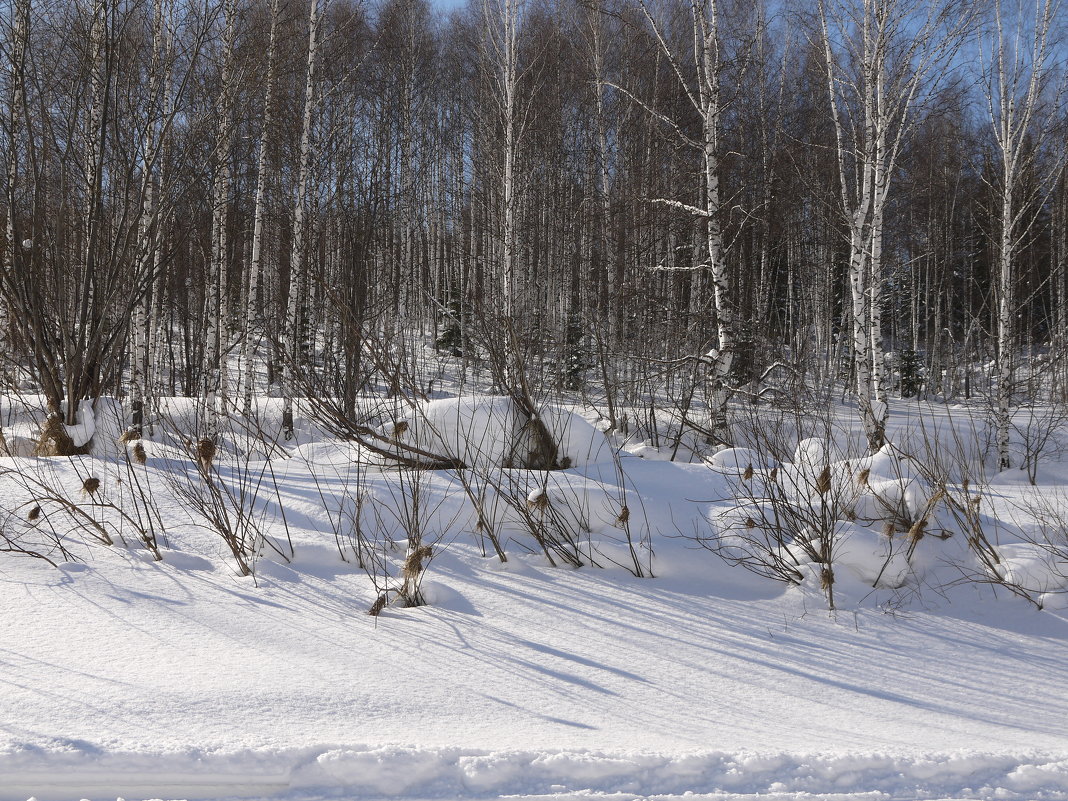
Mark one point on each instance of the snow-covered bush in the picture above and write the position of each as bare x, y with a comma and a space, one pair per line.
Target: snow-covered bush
800, 520
1033, 567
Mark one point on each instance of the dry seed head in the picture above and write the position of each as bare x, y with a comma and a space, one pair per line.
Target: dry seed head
35, 513
205, 453
413, 564
823, 482
130, 435
624, 516
91, 485
917, 530
826, 578
399, 429
540, 502
862, 477
377, 606
750, 523
748, 474
54, 439
774, 474
139, 454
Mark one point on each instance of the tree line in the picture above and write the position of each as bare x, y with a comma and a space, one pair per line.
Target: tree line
709, 199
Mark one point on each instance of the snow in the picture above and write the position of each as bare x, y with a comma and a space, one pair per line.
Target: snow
1033, 567
874, 558
81, 432
736, 461
134, 678
482, 431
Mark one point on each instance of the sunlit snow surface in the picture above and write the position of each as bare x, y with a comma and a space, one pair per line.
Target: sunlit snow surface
124, 677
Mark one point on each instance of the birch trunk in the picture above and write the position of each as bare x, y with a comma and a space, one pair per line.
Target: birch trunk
297, 267
16, 100
705, 100
78, 380
900, 58
1016, 70
217, 290
148, 230
502, 22
253, 316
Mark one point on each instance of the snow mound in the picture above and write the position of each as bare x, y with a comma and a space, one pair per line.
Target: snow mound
329, 452
873, 558
1032, 567
81, 432
491, 431
110, 424
812, 453
737, 461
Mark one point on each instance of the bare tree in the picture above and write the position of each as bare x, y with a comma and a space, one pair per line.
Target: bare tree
253, 321
297, 266
696, 64
1018, 74
884, 61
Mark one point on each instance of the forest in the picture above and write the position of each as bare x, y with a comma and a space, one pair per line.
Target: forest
647, 202
530, 399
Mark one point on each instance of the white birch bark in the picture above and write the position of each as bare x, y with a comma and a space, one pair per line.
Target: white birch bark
148, 230
216, 291
94, 172
16, 99
703, 93
253, 316
502, 19
297, 266
1015, 58
900, 48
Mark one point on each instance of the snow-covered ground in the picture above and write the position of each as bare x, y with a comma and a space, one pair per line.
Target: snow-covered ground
121, 676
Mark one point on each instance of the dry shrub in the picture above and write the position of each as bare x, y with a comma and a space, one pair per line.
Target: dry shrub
55, 441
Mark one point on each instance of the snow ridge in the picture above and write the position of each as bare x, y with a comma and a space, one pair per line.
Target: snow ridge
427, 773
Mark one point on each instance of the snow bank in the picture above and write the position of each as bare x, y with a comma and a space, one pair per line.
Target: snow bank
874, 558
486, 431
1032, 567
865, 507
363, 772
737, 462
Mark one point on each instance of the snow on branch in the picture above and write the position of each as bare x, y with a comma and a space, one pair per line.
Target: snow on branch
678, 204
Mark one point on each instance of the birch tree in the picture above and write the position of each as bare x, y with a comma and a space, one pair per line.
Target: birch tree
217, 291
253, 318
884, 60
159, 114
1018, 71
696, 67
297, 264
19, 39
501, 53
